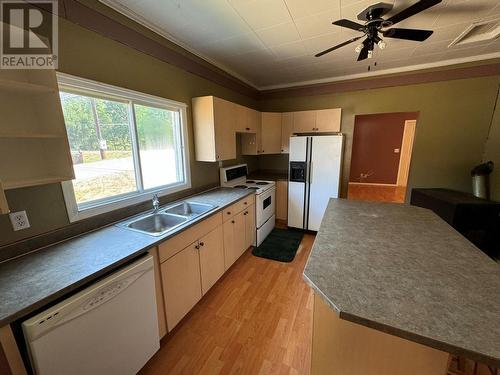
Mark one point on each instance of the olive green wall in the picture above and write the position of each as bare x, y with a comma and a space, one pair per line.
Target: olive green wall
89, 55
451, 130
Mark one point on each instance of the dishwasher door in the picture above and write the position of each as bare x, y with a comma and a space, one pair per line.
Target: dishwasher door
109, 328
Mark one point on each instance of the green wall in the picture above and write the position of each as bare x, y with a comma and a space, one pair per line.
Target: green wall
451, 130
89, 55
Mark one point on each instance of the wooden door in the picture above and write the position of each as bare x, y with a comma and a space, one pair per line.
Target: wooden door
271, 133
286, 131
211, 258
282, 200
250, 230
328, 120
181, 283
225, 135
304, 121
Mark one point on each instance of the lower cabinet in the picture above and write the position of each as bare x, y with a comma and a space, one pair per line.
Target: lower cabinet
282, 200
192, 261
181, 283
250, 231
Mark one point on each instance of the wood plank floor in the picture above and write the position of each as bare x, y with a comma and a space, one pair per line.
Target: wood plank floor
377, 193
256, 320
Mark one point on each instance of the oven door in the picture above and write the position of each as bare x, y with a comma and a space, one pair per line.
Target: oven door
265, 206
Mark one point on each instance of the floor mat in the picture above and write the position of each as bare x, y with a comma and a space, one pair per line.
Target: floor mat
280, 245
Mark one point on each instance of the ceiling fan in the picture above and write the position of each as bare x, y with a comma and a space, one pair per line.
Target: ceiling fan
375, 24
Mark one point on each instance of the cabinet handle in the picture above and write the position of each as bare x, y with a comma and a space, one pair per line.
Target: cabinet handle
196, 247
232, 221
202, 244
245, 213
247, 128
229, 212
245, 202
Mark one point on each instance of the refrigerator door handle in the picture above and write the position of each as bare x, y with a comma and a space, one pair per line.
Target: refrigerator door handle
310, 172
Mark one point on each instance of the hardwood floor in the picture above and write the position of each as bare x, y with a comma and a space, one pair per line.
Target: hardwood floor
377, 193
256, 320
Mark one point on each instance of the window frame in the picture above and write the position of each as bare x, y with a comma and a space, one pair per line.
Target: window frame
88, 87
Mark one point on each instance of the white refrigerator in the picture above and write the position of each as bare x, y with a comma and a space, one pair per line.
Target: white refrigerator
314, 177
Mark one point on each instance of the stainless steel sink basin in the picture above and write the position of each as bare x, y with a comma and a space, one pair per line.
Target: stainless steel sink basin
189, 209
166, 219
156, 224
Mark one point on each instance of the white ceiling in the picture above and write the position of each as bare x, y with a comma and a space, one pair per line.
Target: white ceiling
271, 43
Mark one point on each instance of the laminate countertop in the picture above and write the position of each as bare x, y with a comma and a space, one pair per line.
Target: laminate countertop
402, 270
34, 280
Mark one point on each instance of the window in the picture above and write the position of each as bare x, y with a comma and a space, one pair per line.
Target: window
125, 146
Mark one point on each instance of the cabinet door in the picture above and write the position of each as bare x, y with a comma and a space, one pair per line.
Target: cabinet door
281, 200
211, 258
328, 120
240, 118
234, 238
181, 283
250, 230
271, 133
225, 135
304, 121
229, 245
286, 131
239, 233
254, 121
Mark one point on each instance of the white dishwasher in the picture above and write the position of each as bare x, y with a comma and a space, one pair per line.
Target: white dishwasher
109, 328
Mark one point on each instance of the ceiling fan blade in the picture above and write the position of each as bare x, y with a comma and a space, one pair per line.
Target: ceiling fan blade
363, 55
338, 46
412, 10
349, 24
408, 34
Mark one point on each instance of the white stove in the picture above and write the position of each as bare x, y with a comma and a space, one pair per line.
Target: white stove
265, 194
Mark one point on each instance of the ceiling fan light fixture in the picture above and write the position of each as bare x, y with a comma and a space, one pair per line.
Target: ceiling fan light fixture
381, 44
358, 48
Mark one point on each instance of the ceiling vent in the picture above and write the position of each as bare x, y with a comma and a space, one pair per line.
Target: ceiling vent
478, 32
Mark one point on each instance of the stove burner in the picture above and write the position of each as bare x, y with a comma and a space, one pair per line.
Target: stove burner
250, 182
240, 186
262, 183
252, 187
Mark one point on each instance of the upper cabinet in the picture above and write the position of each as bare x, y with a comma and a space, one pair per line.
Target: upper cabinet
322, 121
216, 122
214, 129
33, 140
270, 133
328, 120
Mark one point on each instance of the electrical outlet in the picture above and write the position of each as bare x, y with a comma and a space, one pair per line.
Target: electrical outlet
19, 220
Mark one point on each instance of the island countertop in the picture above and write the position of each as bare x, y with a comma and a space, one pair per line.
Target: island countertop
402, 270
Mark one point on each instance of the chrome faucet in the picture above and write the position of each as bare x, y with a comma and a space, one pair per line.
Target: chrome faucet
156, 203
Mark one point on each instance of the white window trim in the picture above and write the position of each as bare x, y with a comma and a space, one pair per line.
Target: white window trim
87, 87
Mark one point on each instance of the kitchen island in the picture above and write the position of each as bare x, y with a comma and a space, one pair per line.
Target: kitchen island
396, 290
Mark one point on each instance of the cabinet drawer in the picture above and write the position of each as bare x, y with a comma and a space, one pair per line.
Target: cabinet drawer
237, 207
175, 244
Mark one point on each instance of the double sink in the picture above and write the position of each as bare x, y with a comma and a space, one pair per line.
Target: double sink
167, 219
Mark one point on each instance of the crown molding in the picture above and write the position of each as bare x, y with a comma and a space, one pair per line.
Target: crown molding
411, 78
